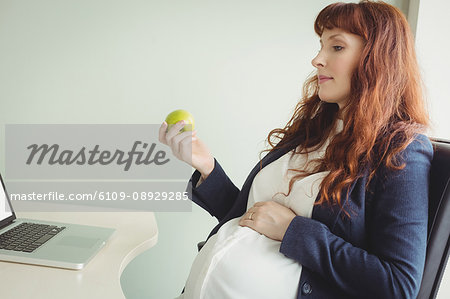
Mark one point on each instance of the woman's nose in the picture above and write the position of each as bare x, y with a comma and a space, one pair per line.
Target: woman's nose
317, 61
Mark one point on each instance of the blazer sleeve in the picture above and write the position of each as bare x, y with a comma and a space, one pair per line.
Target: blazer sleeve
216, 194
392, 267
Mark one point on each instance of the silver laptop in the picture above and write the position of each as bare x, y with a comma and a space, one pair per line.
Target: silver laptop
46, 243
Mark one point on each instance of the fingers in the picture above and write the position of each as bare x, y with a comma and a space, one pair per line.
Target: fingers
250, 223
244, 221
174, 130
248, 218
260, 203
177, 148
166, 136
179, 142
162, 133
176, 140
185, 148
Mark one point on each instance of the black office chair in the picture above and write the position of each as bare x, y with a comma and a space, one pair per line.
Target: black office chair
438, 221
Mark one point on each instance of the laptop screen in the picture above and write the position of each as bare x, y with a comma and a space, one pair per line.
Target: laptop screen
5, 208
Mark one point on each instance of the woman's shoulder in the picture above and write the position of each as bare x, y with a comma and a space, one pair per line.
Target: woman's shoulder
418, 141
419, 151
420, 144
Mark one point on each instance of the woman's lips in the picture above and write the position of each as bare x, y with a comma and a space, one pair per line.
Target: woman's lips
323, 79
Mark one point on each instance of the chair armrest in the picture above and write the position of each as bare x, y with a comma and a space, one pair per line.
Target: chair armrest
200, 245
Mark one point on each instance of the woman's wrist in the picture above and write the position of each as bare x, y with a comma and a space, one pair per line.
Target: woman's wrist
207, 169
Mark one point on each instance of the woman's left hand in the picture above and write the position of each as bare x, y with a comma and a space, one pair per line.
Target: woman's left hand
268, 218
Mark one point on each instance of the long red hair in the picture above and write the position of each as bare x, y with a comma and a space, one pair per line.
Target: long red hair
385, 111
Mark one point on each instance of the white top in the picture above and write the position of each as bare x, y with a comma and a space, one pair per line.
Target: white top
239, 262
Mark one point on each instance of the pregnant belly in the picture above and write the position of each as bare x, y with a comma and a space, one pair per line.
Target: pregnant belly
241, 263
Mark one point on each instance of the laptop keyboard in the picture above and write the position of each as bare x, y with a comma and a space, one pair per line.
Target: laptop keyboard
27, 237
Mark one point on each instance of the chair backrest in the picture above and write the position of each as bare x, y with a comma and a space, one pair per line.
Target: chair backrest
438, 220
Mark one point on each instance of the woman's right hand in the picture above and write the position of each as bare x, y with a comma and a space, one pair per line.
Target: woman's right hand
181, 144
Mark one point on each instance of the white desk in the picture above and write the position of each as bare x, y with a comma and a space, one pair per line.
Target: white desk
135, 232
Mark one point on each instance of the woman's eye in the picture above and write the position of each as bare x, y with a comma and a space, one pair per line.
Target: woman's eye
337, 48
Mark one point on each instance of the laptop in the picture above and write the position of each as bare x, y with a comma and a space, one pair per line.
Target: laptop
46, 243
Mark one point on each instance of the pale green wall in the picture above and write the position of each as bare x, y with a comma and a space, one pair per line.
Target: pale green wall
237, 65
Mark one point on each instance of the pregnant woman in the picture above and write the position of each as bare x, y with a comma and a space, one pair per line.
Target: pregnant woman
337, 208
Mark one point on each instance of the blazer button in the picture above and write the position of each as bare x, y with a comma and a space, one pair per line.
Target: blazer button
306, 289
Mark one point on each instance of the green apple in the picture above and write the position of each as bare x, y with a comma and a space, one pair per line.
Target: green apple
180, 114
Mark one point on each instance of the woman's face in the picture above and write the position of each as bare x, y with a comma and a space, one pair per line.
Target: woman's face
336, 61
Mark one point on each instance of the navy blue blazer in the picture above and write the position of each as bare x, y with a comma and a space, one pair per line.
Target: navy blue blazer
379, 252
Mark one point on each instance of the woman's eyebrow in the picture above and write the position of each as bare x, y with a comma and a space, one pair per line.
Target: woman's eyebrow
335, 36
